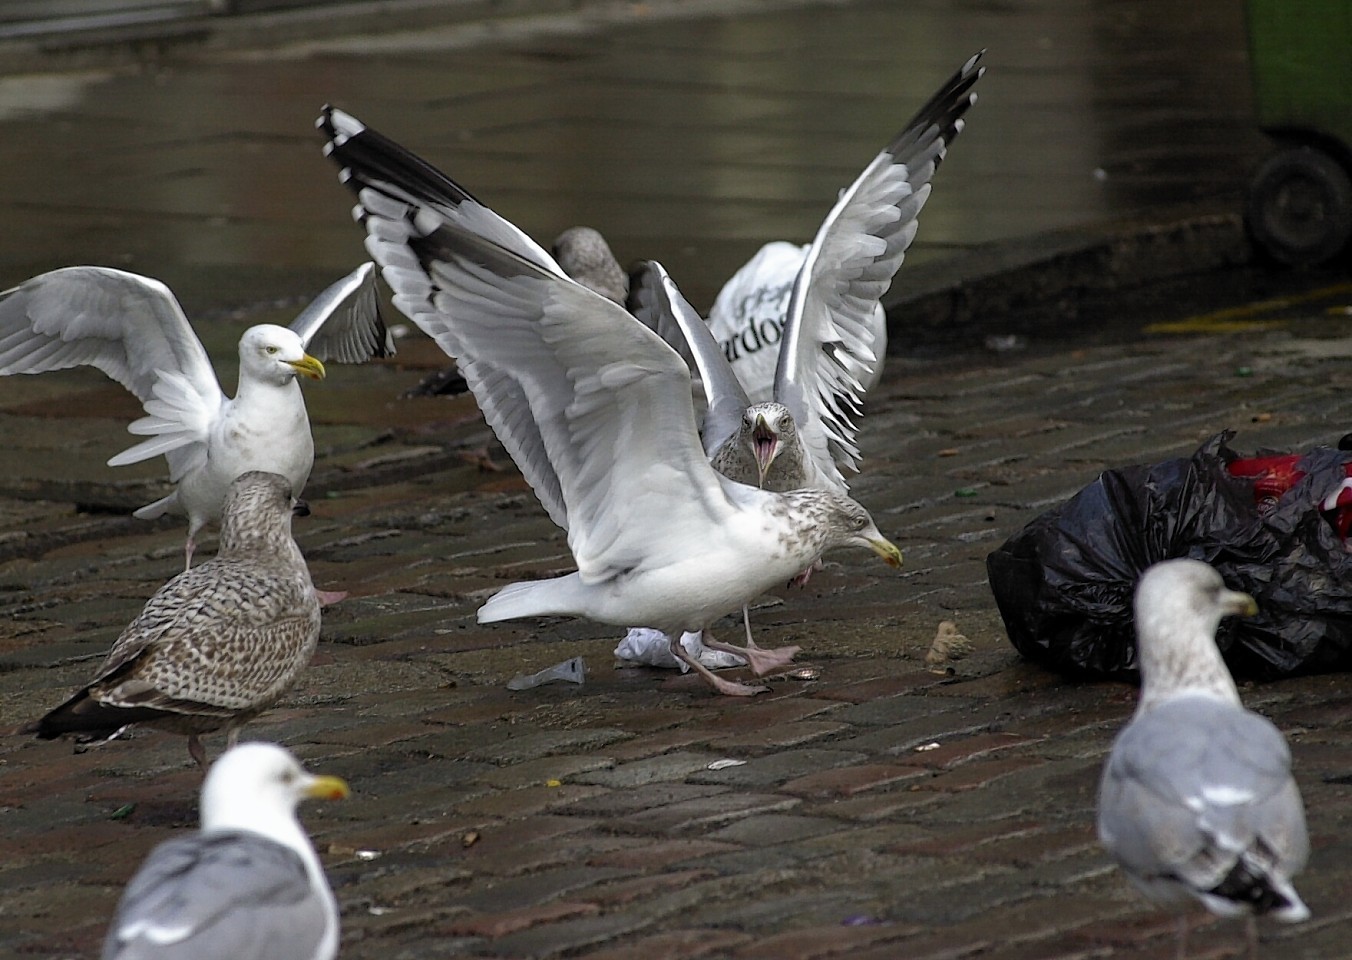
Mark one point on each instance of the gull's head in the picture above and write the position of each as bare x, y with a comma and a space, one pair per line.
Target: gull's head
257, 512
256, 786
847, 524
586, 257
276, 355
768, 429
1178, 606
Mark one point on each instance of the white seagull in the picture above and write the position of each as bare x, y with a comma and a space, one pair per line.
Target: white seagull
132, 328
1197, 802
594, 408
248, 885
829, 324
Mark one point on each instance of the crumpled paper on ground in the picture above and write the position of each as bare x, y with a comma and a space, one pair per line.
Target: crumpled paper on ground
651, 648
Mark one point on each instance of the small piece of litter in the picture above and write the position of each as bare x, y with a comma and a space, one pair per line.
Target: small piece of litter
367, 854
1244, 371
724, 764
804, 673
948, 452
122, 812
573, 671
377, 911
965, 492
553, 783
948, 645
470, 839
927, 746
860, 920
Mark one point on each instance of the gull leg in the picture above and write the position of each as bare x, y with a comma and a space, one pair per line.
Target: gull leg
802, 578
197, 751
188, 549
726, 687
760, 660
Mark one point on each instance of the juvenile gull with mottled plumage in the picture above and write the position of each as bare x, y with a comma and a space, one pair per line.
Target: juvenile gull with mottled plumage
218, 644
247, 885
1197, 801
594, 408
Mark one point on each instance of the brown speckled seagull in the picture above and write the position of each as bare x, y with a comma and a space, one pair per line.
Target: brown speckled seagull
218, 644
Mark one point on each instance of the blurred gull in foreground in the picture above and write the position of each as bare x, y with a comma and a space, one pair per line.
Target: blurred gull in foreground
248, 885
1197, 801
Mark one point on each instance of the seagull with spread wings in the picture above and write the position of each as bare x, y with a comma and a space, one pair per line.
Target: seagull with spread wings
594, 408
832, 330
132, 328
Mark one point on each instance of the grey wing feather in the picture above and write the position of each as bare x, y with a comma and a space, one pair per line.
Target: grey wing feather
403, 198
343, 324
827, 351
657, 302
218, 897
1194, 784
132, 329
563, 375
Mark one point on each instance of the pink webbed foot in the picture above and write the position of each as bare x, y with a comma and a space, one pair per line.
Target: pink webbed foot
328, 598
729, 688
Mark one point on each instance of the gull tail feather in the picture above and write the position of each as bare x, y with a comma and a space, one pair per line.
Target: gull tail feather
534, 598
159, 508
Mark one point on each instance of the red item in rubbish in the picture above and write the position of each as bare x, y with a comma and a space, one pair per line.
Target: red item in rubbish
1274, 475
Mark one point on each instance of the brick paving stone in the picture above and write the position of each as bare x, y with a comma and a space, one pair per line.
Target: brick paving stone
976, 775
495, 925
676, 765
777, 767
702, 812
848, 781
813, 942
688, 944
793, 734
647, 855
774, 829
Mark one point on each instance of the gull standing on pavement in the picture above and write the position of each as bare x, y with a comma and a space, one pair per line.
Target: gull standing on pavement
1197, 802
218, 644
800, 432
132, 328
248, 885
594, 408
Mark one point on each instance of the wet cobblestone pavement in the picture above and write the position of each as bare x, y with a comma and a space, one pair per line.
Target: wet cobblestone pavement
881, 810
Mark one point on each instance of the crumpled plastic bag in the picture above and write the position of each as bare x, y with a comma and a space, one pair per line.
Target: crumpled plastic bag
1064, 583
650, 648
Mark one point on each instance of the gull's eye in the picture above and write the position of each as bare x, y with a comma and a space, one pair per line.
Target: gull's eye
288, 776
860, 523
784, 424
271, 350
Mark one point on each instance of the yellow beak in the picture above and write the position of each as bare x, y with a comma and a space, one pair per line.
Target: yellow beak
328, 788
309, 366
1240, 604
887, 550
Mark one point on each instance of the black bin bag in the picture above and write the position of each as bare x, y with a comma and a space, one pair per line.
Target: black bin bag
1064, 582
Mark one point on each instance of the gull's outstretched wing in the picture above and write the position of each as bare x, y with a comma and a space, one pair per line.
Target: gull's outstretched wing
657, 302
343, 324
827, 347
218, 897
593, 407
133, 329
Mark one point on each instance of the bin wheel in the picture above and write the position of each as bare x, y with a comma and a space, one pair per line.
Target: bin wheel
1300, 206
